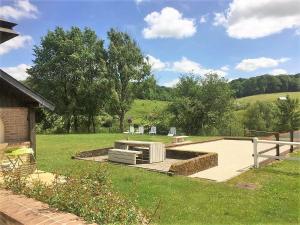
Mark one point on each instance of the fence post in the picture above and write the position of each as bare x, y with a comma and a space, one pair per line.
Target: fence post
292, 140
255, 155
277, 146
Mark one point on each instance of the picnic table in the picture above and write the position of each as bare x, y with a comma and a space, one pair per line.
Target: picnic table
155, 150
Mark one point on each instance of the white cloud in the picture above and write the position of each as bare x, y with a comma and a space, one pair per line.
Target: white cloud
20, 9
171, 83
220, 20
188, 66
278, 72
18, 72
15, 43
156, 64
169, 23
257, 63
225, 68
203, 19
260, 18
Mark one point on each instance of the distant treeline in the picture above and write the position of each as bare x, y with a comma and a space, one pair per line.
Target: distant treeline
241, 87
265, 84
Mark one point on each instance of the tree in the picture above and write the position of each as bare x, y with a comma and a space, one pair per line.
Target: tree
69, 69
201, 103
94, 87
126, 66
260, 116
288, 114
145, 89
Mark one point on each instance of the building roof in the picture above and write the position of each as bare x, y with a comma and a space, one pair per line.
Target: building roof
25, 91
6, 30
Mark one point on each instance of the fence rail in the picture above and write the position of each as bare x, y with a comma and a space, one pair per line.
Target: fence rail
257, 154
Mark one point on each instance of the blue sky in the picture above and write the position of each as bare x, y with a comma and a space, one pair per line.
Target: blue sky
238, 38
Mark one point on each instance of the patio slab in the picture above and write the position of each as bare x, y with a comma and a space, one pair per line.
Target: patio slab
234, 157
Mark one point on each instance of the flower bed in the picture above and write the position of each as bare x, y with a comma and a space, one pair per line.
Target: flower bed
89, 195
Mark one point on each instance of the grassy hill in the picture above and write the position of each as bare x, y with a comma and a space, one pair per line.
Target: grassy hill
267, 97
141, 108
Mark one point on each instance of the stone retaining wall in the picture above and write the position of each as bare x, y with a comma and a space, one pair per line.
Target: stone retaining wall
93, 153
194, 165
175, 154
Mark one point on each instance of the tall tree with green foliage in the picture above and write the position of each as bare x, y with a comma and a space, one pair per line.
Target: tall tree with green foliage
201, 103
126, 66
260, 116
69, 69
288, 114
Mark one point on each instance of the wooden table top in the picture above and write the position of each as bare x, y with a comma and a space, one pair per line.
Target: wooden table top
137, 142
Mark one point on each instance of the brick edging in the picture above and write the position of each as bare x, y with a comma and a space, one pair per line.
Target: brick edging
29, 211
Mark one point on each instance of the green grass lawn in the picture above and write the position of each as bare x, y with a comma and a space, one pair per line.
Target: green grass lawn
267, 97
185, 200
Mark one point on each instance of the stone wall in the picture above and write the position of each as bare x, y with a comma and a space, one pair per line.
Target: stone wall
16, 125
180, 154
194, 165
93, 153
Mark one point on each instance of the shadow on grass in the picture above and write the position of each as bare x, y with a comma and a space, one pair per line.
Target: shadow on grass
282, 172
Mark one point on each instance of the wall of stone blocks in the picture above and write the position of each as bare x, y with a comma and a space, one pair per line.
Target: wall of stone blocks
194, 165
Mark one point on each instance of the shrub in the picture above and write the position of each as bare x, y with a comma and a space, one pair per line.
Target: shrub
89, 195
260, 116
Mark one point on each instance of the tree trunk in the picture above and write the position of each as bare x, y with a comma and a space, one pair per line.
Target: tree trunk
68, 124
75, 123
292, 140
122, 117
89, 123
93, 124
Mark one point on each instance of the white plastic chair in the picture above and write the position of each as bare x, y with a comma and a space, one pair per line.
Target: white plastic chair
172, 132
140, 130
130, 131
152, 130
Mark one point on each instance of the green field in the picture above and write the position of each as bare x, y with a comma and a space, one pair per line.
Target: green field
141, 108
184, 200
267, 97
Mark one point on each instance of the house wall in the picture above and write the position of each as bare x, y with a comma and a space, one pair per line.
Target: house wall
16, 124
1, 131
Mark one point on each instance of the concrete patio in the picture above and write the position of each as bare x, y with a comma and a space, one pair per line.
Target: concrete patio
234, 157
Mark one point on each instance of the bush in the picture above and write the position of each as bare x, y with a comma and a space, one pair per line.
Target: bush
89, 195
260, 116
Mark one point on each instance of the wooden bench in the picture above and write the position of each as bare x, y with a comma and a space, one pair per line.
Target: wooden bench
179, 139
123, 156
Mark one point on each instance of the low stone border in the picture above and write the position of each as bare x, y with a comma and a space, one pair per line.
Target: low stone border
92, 153
181, 154
194, 165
